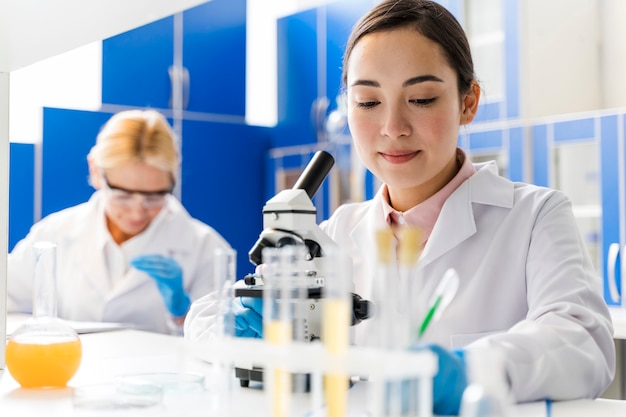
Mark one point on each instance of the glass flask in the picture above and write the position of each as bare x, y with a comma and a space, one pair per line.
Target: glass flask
44, 352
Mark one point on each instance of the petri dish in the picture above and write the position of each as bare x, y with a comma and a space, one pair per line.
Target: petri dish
170, 382
118, 396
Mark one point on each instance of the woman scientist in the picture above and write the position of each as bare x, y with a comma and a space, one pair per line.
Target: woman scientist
527, 286
131, 254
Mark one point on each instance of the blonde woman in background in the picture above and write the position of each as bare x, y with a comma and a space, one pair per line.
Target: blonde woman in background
131, 253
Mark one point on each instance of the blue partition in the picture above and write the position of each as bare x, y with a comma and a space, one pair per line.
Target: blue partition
609, 155
21, 190
222, 181
68, 135
135, 65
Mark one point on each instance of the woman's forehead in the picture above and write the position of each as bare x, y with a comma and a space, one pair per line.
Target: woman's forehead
394, 52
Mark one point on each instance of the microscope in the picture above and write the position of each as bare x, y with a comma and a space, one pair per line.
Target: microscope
289, 218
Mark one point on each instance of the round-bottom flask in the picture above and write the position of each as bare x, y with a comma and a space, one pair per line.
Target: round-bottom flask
44, 352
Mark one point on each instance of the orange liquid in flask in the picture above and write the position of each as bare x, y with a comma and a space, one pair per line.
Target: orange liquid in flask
45, 363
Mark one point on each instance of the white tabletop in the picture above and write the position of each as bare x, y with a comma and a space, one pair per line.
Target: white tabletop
107, 355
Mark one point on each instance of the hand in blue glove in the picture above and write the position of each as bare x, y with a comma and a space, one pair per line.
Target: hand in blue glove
248, 313
450, 381
448, 385
168, 276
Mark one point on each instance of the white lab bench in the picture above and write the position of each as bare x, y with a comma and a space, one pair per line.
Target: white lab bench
109, 354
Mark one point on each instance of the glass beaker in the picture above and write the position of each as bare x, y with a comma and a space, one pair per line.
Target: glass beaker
44, 352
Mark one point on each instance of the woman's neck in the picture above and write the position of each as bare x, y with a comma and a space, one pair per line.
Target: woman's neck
117, 234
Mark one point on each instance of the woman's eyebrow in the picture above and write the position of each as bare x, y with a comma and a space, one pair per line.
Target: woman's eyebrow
410, 81
367, 83
421, 79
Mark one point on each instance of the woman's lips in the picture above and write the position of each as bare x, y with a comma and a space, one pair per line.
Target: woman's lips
399, 158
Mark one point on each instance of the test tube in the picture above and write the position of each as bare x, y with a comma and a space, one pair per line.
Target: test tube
409, 251
383, 292
336, 317
393, 294
224, 277
284, 291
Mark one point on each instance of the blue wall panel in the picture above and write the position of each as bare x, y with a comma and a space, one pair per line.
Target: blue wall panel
222, 175
540, 155
21, 190
487, 112
610, 195
516, 154
574, 129
297, 79
486, 140
340, 18
214, 53
512, 57
135, 65
68, 135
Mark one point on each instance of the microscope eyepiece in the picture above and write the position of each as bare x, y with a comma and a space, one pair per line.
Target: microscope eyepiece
315, 172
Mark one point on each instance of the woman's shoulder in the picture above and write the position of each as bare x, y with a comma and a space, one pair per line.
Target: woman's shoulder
347, 215
74, 215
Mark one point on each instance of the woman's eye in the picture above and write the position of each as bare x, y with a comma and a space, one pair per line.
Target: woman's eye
423, 101
366, 104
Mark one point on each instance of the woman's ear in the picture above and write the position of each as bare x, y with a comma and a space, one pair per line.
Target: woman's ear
95, 179
469, 106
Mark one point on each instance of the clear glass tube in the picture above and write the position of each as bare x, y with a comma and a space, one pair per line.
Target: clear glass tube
224, 277
44, 293
44, 352
336, 317
284, 295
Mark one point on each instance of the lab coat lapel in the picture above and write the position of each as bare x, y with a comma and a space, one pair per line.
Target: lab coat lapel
456, 222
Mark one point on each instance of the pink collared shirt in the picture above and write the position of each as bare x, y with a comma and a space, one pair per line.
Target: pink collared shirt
424, 215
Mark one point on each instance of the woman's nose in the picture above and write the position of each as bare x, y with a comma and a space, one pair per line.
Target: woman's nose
396, 123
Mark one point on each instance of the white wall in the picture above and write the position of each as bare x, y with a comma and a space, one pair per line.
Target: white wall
71, 80
613, 53
560, 65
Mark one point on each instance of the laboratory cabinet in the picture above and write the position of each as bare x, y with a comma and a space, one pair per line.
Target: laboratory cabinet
210, 39
583, 156
309, 61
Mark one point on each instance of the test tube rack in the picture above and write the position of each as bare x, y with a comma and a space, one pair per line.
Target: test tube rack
377, 364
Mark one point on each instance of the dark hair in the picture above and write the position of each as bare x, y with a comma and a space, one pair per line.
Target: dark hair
429, 19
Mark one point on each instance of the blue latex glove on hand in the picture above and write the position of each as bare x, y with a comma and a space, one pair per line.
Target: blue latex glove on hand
168, 276
248, 313
448, 385
450, 381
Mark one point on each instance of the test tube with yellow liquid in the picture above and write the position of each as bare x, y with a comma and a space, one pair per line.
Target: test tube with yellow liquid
336, 316
393, 295
44, 352
284, 290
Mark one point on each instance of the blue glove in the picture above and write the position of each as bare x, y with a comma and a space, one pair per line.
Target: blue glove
168, 276
450, 381
248, 313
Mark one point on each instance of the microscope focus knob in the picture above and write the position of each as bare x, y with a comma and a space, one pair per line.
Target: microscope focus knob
361, 309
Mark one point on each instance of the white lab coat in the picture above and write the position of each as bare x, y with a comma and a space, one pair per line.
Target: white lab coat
527, 285
87, 292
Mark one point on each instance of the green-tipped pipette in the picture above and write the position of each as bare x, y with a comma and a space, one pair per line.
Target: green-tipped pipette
444, 293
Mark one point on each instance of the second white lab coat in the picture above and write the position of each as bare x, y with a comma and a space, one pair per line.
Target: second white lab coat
86, 290
527, 285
